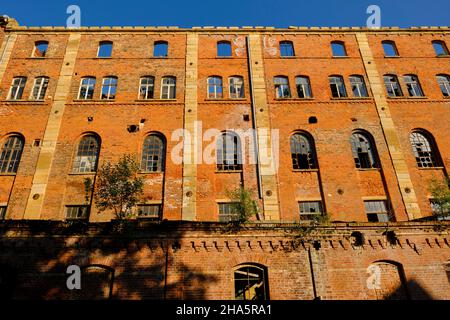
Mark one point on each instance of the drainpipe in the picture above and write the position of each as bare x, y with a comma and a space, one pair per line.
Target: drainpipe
255, 132
313, 279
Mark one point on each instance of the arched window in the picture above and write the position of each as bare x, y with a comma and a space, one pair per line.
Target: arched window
109, 88
87, 86
153, 154
228, 150
11, 154
303, 87
168, 87
146, 87
392, 85
236, 87
386, 281
86, 157
286, 49
424, 149
282, 89
363, 151
224, 49
39, 88
444, 83
104, 49
337, 87
250, 282
440, 48
358, 86
413, 85
160, 49
17, 87
215, 87
390, 49
40, 49
302, 152
338, 49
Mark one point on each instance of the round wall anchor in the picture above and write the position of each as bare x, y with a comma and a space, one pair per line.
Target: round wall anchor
268, 193
36, 196
189, 194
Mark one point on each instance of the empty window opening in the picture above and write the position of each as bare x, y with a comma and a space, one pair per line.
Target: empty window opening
377, 211
363, 151
337, 87
160, 49
250, 283
286, 49
440, 48
87, 86
17, 87
424, 150
39, 88
444, 84
310, 210
390, 49
153, 154
392, 86
77, 212
224, 49
358, 86
105, 49
229, 154
303, 86
413, 86
236, 87
302, 152
40, 49
282, 89
338, 49
11, 154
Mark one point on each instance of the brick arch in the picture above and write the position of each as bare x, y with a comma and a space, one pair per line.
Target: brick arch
389, 281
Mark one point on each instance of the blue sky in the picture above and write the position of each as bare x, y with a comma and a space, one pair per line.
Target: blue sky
188, 13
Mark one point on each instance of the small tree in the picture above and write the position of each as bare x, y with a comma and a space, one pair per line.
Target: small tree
440, 192
243, 205
118, 186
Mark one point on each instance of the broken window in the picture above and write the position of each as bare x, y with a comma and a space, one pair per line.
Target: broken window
390, 49
39, 88
228, 150
87, 86
40, 49
2, 212
153, 154
413, 86
215, 87
286, 49
310, 209
11, 154
444, 83
109, 88
250, 283
236, 87
160, 49
146, 88
358, 86
282, 89
392, 86
424, 150
86, 156
440, 48
228, 212
303, 87
377, 210
363, 151
168, 88
149, 211
17, 87
77, 212
224, 49
337, 87
338, 49
302, 152
104, 49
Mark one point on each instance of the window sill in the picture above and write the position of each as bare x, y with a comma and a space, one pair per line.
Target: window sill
305, 170
82, 173
408, 98
368, 169
8, 174
93, 100
224, 99
350, 98
431, 168
228, 171
340, 57
443, 56
154, 100
230, 57
288, 57
294, 99
24, 101
151, 172
392, 57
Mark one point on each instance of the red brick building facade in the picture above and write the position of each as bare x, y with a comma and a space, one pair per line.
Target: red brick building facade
350, 122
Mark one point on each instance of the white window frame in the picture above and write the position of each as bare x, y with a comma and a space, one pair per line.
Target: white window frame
21, 84
414, 84
359, 82
239, 90
169, 88
215, 86
391, 83
147, 86
42, 87
109, 87
444, 81
305, 87
282, 86
87, 87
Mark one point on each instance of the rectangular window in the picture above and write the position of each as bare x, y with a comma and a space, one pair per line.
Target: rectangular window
377, 210
227, 212
149, 211
310, 209
87, 86
303, 87
2, 212
168, 88
39, 88
105, 49
109, 88
337, 87
146, 88
236, 88
77, 212
358, 86
17, 87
